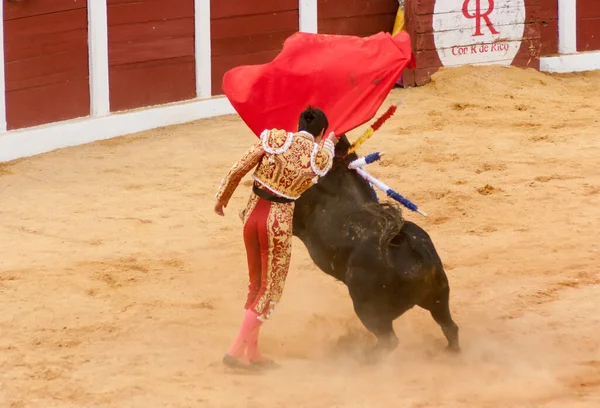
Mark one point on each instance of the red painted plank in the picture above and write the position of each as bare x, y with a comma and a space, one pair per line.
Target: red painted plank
353, 8
58, 43
421, 6
254, 24
151, 10
150, 52
46, 64
118, 2
528, 56
549, 38
588, 9
249, 44
123, 53
417, 77
548, 16
20, 29
588, 25
152, 83
29, 8
152, 30
46, 104
360, 26
588, 34
222, 64
233, 8
15, 85
74, 63
549, 9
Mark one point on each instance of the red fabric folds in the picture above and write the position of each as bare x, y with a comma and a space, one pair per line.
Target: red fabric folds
347, 77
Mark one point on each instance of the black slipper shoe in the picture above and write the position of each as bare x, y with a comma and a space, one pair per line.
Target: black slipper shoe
233, 362
268, 364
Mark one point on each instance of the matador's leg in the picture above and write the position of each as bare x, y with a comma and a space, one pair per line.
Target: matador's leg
255, 214
275, 266
253, 223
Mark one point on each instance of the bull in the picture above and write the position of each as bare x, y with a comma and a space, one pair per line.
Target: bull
388, 264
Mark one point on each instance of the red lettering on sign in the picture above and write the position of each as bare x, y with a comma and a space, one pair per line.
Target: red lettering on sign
500, 47
478, 16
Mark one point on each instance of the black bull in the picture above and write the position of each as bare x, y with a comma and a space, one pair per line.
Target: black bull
388, 264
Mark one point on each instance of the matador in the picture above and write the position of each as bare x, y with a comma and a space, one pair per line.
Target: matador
286, 164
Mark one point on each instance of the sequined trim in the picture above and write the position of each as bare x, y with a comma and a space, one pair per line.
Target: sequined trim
279, 193
249, 160
265, 137
279, 232
249, 207
329, 148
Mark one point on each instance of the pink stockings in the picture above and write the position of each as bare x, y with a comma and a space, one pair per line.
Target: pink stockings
246, 341
267, 237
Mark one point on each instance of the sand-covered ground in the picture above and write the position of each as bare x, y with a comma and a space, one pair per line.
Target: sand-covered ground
119, 287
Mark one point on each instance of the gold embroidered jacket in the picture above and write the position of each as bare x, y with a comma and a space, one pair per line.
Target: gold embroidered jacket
288, 164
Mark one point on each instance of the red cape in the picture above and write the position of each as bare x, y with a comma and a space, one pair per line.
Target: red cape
347, 77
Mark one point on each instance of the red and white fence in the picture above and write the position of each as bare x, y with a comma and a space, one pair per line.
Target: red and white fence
76, 71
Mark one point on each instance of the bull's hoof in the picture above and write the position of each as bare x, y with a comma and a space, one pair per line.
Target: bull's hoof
374, 356
453, 348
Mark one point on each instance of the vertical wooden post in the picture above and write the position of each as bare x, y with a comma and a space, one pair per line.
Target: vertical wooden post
98, 57
2, 76
309, 16
567, 26
203, 48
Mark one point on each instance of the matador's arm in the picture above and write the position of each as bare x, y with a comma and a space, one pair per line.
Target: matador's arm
248, 161
322, 157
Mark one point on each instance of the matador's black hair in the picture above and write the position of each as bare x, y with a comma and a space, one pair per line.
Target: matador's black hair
313, 121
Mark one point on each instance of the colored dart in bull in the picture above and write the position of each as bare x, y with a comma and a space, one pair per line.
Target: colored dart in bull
363, 161
374, 127
390, 193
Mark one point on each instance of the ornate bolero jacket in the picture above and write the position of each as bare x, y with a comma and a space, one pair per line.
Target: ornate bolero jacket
286, 163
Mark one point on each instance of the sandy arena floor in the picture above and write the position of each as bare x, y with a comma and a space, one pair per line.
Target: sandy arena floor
119, 287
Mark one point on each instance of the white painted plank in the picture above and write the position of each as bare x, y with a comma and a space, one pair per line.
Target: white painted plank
41, 139
585, 61
308, 11
2, 74
98, 56
203, 48
567, 26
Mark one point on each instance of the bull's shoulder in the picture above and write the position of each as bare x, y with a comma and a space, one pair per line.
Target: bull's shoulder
276, 141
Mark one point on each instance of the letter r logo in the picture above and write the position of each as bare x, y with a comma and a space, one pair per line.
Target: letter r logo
478, 16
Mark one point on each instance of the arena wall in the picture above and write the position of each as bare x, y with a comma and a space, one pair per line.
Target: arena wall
474, 32
149, 40
45, 62
249, 32
77, 71
588, 25
360, 18
548, 27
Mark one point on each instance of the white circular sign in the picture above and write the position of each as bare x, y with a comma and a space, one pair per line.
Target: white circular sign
478, 32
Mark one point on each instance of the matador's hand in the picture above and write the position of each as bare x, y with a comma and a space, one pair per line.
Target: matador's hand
219, 208
333, 138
